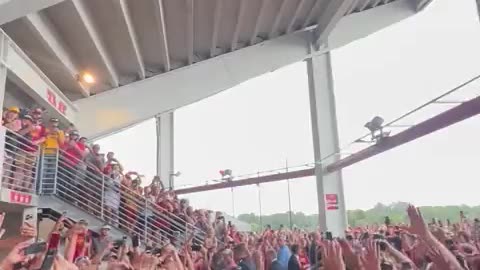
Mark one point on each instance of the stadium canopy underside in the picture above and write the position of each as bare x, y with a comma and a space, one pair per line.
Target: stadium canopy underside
153, 56
146, 58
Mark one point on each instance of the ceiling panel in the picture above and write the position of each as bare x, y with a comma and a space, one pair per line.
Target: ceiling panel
66, 20
109, 21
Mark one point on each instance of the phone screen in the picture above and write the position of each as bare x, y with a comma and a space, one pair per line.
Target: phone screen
196, 247
36, 248
328, 236
135, 241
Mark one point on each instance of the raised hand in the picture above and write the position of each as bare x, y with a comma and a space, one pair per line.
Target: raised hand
371, 259
332, 254
417, 224
28, 231
352, 260
16, 255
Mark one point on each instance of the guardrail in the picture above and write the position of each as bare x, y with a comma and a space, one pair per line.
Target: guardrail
20, 164
105, 197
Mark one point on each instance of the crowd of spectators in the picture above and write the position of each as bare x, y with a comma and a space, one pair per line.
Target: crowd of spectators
418, 245
179, 237
98, 183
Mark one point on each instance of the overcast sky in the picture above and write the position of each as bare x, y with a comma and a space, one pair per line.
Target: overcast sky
264, 122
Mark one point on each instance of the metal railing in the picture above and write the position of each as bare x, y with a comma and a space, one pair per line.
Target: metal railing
20, 164
107, 198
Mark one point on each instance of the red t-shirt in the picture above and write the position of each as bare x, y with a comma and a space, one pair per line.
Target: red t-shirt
73, 156
37, 133
108, 168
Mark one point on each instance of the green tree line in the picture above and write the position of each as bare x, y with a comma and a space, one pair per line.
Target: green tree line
376, 215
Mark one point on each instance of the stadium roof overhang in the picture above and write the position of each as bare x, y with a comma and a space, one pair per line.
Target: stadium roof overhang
154, 56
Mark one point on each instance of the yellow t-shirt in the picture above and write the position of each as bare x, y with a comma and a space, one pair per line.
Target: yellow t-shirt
51, 144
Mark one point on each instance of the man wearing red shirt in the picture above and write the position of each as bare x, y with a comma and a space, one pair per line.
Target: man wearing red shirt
70, 166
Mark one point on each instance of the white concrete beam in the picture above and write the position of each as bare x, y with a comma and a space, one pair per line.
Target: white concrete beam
298, 9
190, 30
125, 106
160, 17
87, 20
329, 18
258, 21
133, 36
238, 24
278, 17
359, 25
14, 9
44, 29
217, 17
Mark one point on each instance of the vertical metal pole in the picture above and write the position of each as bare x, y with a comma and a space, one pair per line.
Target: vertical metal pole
146, 220
260, 202
289, 198
40, 174
165, 147
55, 178
233, 203
478, 7
102, 206
37, 179
3, 81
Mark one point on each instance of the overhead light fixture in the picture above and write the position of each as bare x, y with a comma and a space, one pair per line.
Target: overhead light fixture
375, 126
87, 77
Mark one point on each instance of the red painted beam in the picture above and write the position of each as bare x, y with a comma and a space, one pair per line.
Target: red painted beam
249, 181
452, 116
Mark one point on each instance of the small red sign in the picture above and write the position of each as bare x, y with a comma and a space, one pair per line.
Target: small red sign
332, 207
52, 99
62, 107
331, 198
18, 197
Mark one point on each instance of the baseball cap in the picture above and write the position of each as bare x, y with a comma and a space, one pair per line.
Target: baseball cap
106, 227
83, 221
14, 109
27, 117
74, 133
54, 120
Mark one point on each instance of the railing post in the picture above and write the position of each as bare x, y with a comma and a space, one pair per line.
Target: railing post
102, 197
55, 178
146, 219
39, 172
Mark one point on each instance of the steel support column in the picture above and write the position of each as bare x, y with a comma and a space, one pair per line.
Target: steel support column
331, 203
478, 7
3, 66
165, 168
